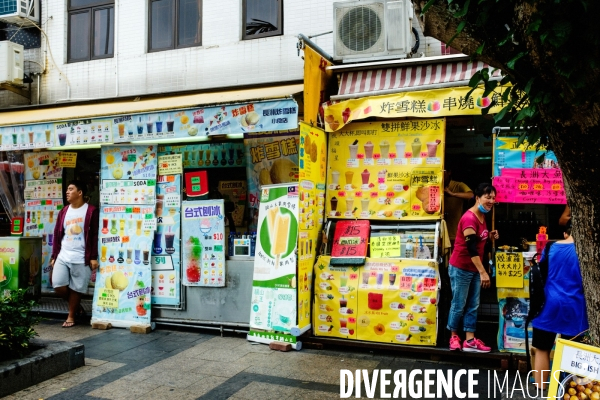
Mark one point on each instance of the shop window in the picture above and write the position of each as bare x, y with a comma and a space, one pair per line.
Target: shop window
262, 18
91, 30
174, 24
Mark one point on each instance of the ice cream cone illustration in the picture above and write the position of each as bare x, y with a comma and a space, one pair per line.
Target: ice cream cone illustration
279, 236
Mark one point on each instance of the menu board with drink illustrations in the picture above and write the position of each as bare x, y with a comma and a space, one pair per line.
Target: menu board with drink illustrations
166, 260
123, 283
132, 191
42, 165
82, 132
386, 170
30, 137
386, 300
215, 155
274, 295
203, 242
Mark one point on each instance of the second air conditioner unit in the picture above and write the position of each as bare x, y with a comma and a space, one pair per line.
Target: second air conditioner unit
372, 29
20, 12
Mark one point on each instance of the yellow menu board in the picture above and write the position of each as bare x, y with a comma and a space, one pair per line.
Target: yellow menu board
509, 270
386, 300
386, 170
312, 162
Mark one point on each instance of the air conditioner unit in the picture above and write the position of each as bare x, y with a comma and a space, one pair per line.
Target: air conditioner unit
372, 29
11, 63
20, 12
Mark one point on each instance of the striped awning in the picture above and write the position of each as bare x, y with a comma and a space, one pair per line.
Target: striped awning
366, 82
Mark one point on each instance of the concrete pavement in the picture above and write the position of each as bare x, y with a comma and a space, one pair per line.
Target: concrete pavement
188, 364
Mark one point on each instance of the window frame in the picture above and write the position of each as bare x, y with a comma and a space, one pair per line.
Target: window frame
90, 9
175, 32
278, 32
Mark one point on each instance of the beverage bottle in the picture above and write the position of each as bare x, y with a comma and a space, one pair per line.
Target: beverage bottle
252, 243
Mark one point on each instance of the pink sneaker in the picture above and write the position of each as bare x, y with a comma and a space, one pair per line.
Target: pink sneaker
455, 343
476, 346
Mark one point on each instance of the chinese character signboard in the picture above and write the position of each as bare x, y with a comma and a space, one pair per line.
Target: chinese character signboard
350, 241
422, 104
203, 242
270, 159
509, 270
274, 283
576, 368
386, 170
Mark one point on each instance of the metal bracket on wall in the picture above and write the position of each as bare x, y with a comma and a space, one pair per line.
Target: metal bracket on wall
20, 90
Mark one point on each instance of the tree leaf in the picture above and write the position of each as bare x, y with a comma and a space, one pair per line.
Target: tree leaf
511, 63
464, 10
475, 79
480, 49
426, 7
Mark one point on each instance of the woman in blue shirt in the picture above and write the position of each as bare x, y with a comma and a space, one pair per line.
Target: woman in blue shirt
564, 311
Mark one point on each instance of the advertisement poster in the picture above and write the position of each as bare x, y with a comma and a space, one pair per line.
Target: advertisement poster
508, 155
124, 272
513, 306
274, 299
542, 186
270, 159
580, 368
20, 265
386, 170
203, 242
22, 138
44, 199
313, 163
236, 192
316, 79
82, 132
128, 162
199, 122
214, 155
386, 301
423, 104
166, 251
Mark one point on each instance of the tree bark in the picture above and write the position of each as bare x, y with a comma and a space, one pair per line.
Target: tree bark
573, 114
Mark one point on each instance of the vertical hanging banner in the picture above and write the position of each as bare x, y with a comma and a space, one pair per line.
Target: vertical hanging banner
270, 159
43, 194
274, 282
203, 241
313, 164
387, 170
316, 79
166, 259
123, 290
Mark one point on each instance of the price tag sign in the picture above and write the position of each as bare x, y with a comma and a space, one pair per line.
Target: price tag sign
509, 270
67, 159
350, 242
149, 224
108, 298
385, 246
170, 164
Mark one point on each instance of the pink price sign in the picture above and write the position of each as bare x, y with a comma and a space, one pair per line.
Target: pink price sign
533, 186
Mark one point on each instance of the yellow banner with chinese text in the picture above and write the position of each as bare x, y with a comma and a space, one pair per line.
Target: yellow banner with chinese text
423, 104
316, 78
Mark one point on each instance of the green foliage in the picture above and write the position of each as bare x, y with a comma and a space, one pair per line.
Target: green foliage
16, 324
549, 57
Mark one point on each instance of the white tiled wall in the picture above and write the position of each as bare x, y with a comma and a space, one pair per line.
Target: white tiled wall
224, 60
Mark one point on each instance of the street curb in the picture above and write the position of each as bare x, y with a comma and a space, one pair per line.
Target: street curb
52, 359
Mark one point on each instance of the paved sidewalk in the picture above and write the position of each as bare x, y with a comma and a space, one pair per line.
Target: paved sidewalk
187, 364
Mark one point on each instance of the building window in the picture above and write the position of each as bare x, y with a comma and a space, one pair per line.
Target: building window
174, 24
91, 30
262, 18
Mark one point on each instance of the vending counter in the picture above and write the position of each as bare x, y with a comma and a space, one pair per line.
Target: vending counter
20, 264
221, 306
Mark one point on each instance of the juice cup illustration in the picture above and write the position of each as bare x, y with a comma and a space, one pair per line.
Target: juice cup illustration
121, 130
138, 227
159, 126
140, 127
343, 322
392, 279
159, 204
30, 137
350, 204
113, 226
365, 177
137, 256
335, 177
146, 255
170, 125
379, 278
364, 204
51, 213
343, 282
103, 251
157, 240
47, 132
343, 302
349, 176
384, 147
129, 254
365, 278
149, 126
353, 149
169, 239
62, 139
369, 149
334, 203
432, 149
416, 148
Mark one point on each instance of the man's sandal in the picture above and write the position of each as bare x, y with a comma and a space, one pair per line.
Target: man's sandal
68, 324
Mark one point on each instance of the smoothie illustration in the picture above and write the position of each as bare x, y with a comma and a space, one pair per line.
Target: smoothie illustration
369, 149
364, 204
432, 148
140, 127
384, 147
169, 239
350, 204
121, 127
416, 148
170, 123
335, 177
381, 176
353, 149
379, 278
365, 177
365, 278
334, 203
343, 283
159, 125
47, 132
392, 279
349, 176
62, 138
343, 301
